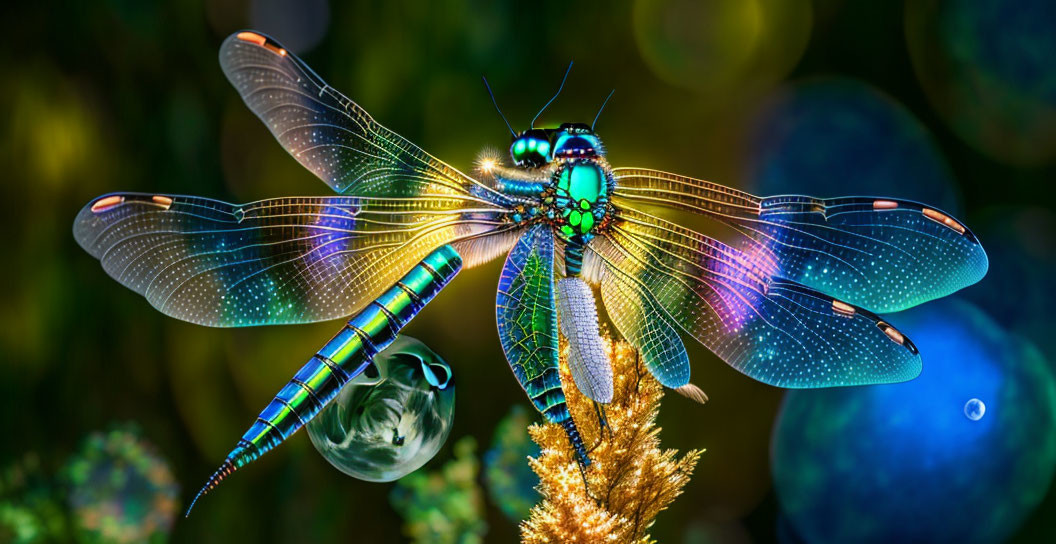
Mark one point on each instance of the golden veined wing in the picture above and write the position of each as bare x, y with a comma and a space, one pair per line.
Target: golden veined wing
331, 135
276, 261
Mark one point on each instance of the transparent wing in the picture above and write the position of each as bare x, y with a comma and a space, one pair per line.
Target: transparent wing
578, 321
331, 135
775, 330
643, 322
882, 254
285, 260
527, 316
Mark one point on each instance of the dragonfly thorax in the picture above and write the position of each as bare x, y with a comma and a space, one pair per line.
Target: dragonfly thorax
577, 198
564, 180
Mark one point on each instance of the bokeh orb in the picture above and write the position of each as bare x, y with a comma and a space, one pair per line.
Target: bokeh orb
32, 508
391, 419
120, 489
1020, 286
299, 26
974, 409
986, 67
722, 46
902, 463
834, 136
509, 478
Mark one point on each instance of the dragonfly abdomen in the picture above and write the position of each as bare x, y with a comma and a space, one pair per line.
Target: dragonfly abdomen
548, 397
340, 360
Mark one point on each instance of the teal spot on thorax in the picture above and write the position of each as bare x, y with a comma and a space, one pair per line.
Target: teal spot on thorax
586, 182
580, 196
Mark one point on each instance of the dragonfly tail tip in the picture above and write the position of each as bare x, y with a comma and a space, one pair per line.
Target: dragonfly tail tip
225, 469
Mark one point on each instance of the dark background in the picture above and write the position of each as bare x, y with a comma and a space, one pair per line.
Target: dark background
126, 95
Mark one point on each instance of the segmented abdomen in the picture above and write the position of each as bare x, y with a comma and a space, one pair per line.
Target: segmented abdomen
340, 360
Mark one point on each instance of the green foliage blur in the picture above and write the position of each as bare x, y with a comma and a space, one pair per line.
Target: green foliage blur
444, 506
126, 95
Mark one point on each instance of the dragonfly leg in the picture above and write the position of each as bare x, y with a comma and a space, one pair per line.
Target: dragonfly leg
603, 426
603, 420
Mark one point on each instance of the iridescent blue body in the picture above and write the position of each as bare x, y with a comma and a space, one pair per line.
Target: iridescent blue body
567, 184
346, 356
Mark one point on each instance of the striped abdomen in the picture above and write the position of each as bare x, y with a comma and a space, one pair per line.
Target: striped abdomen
340, 360
548, 397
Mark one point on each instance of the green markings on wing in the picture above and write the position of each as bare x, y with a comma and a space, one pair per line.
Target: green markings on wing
527, 319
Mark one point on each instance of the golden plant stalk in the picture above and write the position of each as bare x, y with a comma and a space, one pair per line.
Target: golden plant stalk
630, 478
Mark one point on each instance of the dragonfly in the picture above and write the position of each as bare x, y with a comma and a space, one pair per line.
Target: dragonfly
794, 303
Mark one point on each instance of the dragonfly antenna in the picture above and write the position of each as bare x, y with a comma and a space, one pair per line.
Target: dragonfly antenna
569, 69
493, 101
601, 108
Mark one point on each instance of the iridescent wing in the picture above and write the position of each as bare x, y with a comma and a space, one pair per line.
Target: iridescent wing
777, 331
643, 322
527, 318
278, 261
879, 253
331, 135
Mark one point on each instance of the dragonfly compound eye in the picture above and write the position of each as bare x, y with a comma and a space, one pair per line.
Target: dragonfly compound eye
576, 140
381, 430
531, 148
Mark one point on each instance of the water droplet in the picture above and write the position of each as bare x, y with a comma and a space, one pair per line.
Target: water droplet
392, 419
974, 409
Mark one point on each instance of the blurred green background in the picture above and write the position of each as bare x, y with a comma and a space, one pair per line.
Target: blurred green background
948, 102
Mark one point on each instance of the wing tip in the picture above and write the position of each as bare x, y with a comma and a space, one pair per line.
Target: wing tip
692, 392
254, 37
88, 218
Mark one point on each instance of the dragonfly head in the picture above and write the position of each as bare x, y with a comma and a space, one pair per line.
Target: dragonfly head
531, 148
576, 140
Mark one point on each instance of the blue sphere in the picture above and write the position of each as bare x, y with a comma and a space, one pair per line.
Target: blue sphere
822, 137
901, 462
974, 409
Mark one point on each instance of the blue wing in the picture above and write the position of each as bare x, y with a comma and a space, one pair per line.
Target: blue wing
527, 317
883, 254
643, 322
775, 330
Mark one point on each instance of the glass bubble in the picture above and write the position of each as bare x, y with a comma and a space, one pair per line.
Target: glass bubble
391, 419
974, 409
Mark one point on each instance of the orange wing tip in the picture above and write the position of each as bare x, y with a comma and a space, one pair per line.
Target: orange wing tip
163, 201
842, 308
892, 333
107, 203
253, 37
885, 205
940, 217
